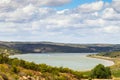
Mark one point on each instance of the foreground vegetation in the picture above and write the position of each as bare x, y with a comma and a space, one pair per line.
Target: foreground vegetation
101, 72
12, 69
113, 56
16, 69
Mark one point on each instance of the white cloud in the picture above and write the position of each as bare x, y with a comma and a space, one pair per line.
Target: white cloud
54, 2
96, 6
88, 21
8, 27
95, 23
116, 5
20, 14
111, 29
30, 9
5, 1
111, 14
9, 5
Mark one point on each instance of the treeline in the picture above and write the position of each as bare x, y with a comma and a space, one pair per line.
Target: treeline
98, 72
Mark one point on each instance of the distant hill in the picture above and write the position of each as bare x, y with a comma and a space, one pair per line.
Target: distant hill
6, 49
51, 47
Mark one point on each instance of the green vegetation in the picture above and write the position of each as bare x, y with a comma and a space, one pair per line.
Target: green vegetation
9, 51
15, 69
113, 56
101, 72
116, 73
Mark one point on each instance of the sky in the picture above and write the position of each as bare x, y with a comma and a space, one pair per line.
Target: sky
64, 21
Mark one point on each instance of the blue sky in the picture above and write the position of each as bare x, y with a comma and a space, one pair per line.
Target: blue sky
66, 21
75, 3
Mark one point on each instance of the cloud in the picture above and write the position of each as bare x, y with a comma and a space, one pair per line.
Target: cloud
111, 14
116, 5
7, 27
54, 2
86, 8
10, 5
112, 29
91, 22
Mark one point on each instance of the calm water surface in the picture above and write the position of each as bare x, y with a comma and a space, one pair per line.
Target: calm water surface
76, 61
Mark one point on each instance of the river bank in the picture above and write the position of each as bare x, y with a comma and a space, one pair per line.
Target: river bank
115, 68
102, 57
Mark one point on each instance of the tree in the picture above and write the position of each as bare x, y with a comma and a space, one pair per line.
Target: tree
101, 72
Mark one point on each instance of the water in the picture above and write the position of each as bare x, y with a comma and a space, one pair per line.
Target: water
75, 61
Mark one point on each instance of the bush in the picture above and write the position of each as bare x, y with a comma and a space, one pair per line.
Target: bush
101, 72
1, 78
4, 77
15, 69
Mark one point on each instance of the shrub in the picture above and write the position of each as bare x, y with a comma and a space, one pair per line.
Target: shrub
101, 72
1, 78
4, 77
15, 69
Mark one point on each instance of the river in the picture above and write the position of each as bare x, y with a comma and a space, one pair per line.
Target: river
75, 61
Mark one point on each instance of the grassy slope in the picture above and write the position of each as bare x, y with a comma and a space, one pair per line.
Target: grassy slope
6, 72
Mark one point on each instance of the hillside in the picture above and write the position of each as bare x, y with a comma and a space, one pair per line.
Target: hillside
46, 47
115, 54
112, 56
10, 51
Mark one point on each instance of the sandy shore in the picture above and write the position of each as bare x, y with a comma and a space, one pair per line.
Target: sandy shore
105, 58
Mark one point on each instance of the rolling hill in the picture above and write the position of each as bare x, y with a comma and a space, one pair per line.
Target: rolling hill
50, 47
